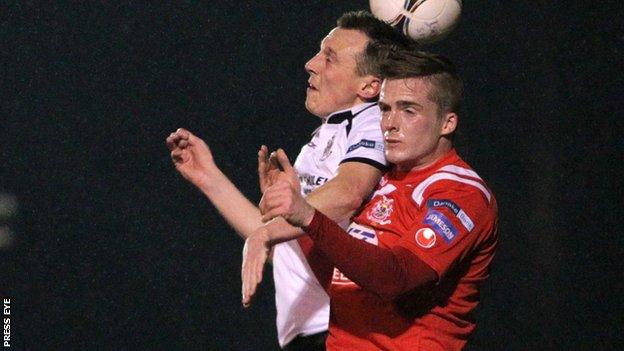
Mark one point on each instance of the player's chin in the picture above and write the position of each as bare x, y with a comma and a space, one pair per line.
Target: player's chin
393, 156
313, 107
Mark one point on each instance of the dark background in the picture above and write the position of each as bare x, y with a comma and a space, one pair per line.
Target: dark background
114, 249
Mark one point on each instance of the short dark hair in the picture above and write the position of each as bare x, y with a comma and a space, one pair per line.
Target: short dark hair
378, 32
402, 63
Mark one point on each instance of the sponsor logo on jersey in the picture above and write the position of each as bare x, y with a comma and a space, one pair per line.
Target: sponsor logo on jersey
381, 211
369, 144
441, 225
465, 220
340, 279
362, 232
443, 203
461, 215
425, 237
311, 180
328, 148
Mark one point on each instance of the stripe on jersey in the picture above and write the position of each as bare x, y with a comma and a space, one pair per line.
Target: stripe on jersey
368, 161
460, 170
418, 192
347, 116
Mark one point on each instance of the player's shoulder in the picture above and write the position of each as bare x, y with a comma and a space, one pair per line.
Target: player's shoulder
369, 115
366, 124
456, 183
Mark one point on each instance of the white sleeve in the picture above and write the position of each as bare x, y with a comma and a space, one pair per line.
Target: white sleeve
365, 142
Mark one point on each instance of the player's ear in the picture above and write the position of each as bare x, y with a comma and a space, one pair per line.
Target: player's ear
449, 123
370, 87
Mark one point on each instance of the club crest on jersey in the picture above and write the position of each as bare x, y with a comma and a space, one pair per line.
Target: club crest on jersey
425, 237
328, 148
382, 210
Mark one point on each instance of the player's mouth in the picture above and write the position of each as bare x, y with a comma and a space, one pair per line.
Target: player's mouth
391, 141
311, 86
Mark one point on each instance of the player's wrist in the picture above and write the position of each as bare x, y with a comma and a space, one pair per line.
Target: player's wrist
263, 234
209, 179
308, 216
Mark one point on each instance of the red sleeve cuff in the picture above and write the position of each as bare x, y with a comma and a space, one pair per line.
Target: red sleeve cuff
315, 224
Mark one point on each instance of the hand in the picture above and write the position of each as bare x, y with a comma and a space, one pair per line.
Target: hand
191, 156
255, 255
281, 199
274, 168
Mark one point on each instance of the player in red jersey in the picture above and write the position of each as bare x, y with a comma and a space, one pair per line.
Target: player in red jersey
407, 276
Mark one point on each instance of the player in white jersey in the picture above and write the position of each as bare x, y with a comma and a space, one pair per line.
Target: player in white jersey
347, 136
337, 169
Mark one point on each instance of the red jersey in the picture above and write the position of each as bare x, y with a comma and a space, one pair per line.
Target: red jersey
444, 214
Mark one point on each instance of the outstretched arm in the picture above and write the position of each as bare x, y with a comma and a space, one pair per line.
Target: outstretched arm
193, 159
338, 198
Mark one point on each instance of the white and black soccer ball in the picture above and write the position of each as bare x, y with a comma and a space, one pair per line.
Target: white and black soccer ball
425, 21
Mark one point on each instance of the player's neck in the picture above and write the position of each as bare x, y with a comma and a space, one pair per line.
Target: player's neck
426, 161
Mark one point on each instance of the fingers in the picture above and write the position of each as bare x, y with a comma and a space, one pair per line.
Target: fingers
263, 167
275, 212
177, 155
183, 133
262, 158
252, 277
275, 200
274, 163
179, 139
171, 144
283, 161
254, 258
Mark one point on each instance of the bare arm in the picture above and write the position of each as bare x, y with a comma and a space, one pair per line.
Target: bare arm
193, 159
338, 199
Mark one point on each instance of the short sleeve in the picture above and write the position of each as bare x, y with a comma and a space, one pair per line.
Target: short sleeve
455, 222
365, 142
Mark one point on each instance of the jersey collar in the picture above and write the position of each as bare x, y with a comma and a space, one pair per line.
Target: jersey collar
348, 114
449, 157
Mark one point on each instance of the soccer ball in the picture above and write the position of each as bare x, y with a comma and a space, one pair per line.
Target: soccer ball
425, 21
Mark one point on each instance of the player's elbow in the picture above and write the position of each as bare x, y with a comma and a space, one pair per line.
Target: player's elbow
354, 201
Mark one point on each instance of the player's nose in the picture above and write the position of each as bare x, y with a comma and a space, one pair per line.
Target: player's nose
311, 66
389, 121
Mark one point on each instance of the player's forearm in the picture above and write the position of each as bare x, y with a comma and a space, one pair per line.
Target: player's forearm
388, 273
338, 199
237, 210
335, 199
279, 230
